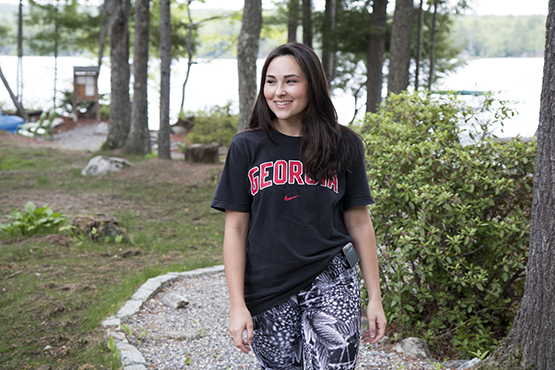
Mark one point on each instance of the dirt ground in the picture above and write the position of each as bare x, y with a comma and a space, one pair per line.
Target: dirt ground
155, 170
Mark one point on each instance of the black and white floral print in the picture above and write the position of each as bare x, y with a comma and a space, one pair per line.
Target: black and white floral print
317, 329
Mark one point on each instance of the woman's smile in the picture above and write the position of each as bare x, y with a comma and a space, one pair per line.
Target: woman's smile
286, 92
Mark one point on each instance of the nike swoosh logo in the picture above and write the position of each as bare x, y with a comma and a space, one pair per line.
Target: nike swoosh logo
287, 199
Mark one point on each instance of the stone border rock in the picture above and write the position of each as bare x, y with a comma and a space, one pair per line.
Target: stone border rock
131, 358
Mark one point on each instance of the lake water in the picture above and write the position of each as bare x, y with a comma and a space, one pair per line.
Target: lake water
215, 83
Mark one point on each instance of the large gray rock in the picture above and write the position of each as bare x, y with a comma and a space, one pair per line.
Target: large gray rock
414, 346
101, 165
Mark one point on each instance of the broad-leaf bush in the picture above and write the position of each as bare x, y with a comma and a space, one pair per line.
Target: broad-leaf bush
451, 220
216, 124
33, 221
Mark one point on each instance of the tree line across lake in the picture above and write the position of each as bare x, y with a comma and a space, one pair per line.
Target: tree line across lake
485, 36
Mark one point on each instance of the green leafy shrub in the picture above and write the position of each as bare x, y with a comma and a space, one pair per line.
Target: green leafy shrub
451, 220
217, 124
34, 221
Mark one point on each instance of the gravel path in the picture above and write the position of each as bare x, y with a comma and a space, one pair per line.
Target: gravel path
81, 137
196, 337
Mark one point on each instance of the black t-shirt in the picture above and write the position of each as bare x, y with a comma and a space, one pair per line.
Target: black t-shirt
296, 225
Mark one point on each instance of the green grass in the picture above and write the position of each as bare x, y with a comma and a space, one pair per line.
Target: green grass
55, 290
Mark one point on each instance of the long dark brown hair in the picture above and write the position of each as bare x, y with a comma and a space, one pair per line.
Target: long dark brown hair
327, 147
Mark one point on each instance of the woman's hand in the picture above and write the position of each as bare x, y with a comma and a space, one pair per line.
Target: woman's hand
239, 322
359, 225
235, 255
376, 322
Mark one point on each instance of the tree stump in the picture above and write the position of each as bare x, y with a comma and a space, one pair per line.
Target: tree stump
98, 227
202, 153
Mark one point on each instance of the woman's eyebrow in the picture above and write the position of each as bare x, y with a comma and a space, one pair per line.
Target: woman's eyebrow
286, 76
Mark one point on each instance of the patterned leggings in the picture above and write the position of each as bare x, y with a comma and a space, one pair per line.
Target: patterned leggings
318, 327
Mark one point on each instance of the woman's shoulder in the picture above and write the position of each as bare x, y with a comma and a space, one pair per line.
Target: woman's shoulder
248, 139
249, 135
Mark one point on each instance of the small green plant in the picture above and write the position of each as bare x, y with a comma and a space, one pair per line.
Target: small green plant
144, 333
126, 329
34, 221
151, 155
437, 365
480, 354
116, 359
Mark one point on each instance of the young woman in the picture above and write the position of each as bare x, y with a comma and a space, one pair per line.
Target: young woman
295, 193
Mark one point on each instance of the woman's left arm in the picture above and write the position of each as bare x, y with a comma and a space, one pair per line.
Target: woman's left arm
360, 228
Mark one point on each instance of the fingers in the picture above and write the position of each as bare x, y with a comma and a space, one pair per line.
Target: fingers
376, 328
242, 338
244, 344
370, 334
250, 333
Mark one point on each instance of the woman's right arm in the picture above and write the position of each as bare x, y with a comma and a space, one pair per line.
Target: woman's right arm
235, 255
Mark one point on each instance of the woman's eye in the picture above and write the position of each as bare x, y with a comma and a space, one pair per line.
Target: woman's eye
291, 81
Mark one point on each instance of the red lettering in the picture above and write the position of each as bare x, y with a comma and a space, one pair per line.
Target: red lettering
280, 172
309, 181
332, 184
254, 180
264, 173
295, 172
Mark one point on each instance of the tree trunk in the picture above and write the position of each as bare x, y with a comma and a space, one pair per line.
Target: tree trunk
120, 106
107, 12
247, 52
20, 53
307, 22
20, 111
190, 52
328, 47
399, 52
375, 55
530, 341
431, 76
56, 40
419, 46
293, 21
164, 132
138, 140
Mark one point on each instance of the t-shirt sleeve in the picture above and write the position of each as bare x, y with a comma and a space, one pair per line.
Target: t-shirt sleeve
357, 192
233, 190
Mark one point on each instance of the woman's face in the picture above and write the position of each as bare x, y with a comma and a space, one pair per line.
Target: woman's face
286, 90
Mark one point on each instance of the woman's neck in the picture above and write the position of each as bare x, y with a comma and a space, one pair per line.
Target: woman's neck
287, 128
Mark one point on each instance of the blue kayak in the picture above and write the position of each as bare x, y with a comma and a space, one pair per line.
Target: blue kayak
10, 123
